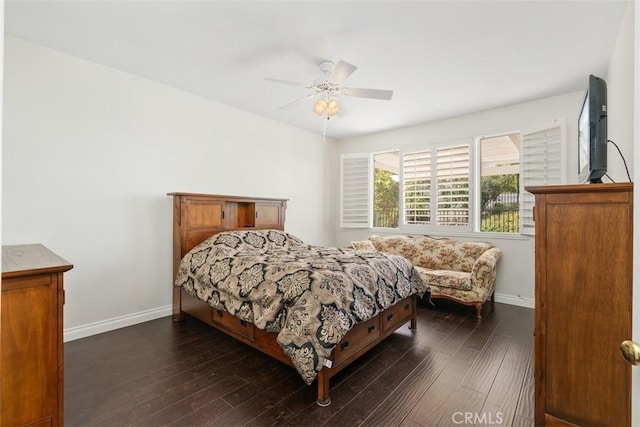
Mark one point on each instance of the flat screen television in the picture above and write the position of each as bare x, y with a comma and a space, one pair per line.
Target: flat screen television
592, 133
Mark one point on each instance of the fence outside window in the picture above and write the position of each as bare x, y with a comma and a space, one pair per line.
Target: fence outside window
387, 218
502, 215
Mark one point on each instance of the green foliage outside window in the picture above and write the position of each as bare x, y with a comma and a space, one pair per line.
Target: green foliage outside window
502, 216
385, 199
498, 213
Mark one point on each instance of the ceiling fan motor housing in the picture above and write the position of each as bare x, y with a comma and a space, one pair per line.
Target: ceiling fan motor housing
326, 66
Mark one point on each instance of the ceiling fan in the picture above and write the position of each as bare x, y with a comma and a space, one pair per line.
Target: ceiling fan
328, 87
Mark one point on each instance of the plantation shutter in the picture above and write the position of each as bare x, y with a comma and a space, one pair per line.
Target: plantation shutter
417, 187
453, 186
541, 165
355, 173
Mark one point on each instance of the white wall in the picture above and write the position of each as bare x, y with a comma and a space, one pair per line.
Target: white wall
89, 154
516, 277
620, 100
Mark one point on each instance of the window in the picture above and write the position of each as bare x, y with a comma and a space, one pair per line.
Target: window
431, 187
386, 189
500, 184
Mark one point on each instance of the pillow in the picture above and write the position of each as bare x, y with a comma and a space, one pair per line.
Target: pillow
363, 245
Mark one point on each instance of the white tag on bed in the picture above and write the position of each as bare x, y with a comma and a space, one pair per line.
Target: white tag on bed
328, 363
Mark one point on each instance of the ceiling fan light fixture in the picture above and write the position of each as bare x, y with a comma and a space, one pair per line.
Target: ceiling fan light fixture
333, 107
320, 107
326, 107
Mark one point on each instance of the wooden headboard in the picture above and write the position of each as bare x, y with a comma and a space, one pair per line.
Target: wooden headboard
196, 217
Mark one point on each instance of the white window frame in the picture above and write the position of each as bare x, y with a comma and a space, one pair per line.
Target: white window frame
372, 186
477, 161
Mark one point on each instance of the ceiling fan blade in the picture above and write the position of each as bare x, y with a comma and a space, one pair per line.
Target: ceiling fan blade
340, 72
368, 93
291, 104
286, 82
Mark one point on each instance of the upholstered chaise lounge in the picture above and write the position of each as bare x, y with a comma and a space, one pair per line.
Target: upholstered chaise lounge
464, 272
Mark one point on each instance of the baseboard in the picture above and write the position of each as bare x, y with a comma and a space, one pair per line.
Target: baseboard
83, 331
515, 300
95, 328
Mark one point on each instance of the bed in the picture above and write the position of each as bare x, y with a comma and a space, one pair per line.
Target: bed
317, 309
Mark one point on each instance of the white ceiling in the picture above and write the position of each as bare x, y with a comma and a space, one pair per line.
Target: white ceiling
441, 58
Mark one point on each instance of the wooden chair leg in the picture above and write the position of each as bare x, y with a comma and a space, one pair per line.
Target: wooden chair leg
478, 311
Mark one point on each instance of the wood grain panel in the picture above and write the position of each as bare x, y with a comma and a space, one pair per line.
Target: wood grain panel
396, 315
267, 214
245, 215
205, 213
359, 336
581, 291
584, 252
31, 349
29, 327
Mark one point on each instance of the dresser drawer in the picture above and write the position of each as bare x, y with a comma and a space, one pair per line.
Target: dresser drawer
356, 339
232, 323
396, 315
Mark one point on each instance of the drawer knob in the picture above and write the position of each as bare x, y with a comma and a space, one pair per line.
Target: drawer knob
406, 306
220, 312
389, 316
371, 328
344, 345
244, 323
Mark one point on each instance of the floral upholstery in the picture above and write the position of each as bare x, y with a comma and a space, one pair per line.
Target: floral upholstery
363, 245
446, 278
462, 271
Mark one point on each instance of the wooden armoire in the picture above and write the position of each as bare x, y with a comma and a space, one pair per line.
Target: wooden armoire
583, 265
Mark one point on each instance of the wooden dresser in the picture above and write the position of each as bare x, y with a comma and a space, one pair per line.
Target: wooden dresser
584, 264
31, 341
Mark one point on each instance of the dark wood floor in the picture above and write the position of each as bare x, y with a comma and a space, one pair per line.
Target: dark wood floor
188, 374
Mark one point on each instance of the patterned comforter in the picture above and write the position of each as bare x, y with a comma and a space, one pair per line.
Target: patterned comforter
309, 295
